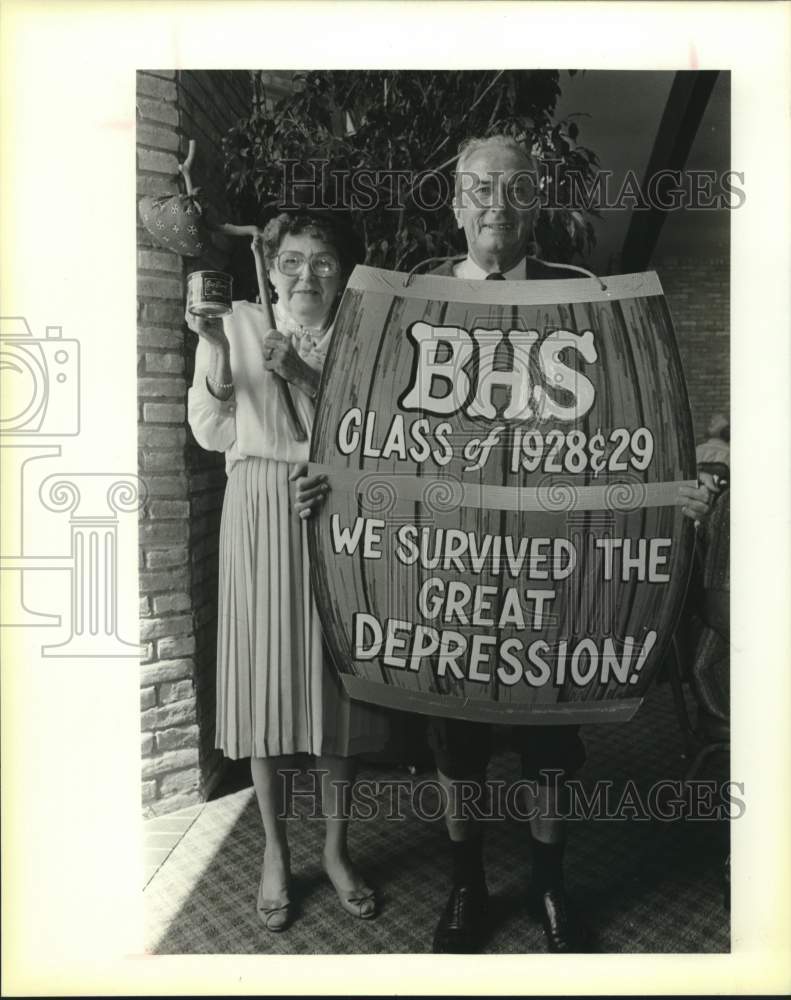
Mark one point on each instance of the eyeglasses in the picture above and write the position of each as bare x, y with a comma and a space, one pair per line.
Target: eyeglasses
323, 265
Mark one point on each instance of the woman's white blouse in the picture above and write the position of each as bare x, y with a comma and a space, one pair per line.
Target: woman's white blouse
252, 422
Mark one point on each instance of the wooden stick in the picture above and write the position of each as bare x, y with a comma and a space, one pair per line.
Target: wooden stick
269, 321
229, 229
186, 166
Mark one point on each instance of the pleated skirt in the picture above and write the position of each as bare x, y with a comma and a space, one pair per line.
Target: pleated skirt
276, 694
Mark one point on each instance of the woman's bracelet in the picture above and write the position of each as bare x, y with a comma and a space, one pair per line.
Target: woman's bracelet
220, 386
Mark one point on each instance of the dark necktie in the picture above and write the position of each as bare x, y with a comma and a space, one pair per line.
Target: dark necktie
495, 276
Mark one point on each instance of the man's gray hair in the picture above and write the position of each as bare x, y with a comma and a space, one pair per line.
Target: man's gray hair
473, 145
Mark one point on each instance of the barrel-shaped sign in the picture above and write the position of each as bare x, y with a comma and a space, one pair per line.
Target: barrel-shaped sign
503, 538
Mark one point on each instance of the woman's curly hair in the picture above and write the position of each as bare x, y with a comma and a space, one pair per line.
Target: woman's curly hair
336, 232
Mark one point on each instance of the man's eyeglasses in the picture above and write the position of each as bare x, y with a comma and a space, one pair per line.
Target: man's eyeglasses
323, 265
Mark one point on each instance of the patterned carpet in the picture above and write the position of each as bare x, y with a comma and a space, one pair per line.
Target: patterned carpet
646, 885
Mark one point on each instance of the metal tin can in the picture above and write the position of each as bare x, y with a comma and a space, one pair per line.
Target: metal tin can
209, 293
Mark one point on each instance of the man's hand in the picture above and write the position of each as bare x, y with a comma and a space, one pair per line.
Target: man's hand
699, 499
311, 491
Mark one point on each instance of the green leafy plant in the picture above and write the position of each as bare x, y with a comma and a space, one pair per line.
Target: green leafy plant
400, 131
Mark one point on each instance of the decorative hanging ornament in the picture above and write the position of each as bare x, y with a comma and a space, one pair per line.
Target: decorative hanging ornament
176, 222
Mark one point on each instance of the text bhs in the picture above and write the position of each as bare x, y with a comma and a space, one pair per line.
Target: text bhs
440, 382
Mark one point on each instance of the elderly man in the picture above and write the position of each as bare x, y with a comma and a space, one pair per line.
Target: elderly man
495, 205
716, 449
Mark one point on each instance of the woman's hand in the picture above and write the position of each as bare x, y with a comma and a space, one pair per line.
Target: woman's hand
699, 499
280, 357
311, 491
208, 328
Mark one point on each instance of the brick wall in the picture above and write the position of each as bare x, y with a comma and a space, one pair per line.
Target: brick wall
698, 293
179, 525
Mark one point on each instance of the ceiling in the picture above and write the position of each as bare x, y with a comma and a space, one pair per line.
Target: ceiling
625, 109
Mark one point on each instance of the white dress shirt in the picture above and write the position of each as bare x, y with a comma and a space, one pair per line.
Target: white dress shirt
467, 268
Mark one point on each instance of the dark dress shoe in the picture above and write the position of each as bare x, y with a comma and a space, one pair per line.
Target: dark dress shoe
565, 931
460, 928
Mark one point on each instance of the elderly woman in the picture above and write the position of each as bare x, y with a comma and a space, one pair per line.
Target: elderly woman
276, 697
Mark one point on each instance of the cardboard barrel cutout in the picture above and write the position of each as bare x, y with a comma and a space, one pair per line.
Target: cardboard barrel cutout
503, 539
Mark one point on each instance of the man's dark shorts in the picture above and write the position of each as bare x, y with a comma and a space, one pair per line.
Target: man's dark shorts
462, 749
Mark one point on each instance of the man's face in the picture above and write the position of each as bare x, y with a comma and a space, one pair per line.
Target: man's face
496, 205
